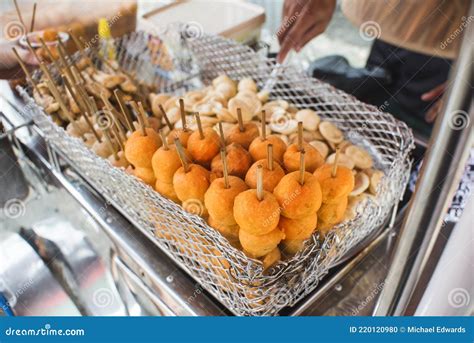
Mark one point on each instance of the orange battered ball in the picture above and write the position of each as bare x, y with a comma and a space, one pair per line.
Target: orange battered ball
219, 200
334, 187
203, 150
245, 137
255, 216
271, 178
238, 161
258, 148
298, 200
231, 232
333, 213
165, 163
301, 228
191, 185
166, 189
139, 149
312, 158
258, 246
182, 135
146, 175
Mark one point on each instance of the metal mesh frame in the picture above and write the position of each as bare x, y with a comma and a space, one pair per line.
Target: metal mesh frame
234, 279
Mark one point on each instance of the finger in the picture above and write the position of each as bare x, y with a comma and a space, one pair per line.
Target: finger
290, 13
433, 112
308, 36
284, 50
434, 93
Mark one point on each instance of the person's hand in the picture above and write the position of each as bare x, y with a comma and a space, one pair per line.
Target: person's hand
302, 21
432, 95
9, 67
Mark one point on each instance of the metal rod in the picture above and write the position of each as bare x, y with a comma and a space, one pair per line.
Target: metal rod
443, 165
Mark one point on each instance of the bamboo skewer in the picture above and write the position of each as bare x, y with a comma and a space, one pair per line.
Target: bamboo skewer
110, 143
62, 57
143, 114
264, 133
163, 139
302, 167
18, 12
270, 156
300, 135
114, 113
199, 125
334, 165
50, 55
183, 114
226, 172
33, 17
221, 135
117, 138
33, 51
163, 112
83, 113
140, 119
240, 120
181, 154
260, 182
27, 73
124, 110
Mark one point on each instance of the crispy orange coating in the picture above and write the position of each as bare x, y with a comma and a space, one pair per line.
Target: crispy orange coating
203, 150
271, 258
312, 158
219, 200
258, 246
166, 189
271, 178
191, 185
182, 135
334, 187
146, 175
165, 163
301, 228
139, 149
255, 216
238, 161
245, 137
258, 148
231, 232
296, 200
333, 213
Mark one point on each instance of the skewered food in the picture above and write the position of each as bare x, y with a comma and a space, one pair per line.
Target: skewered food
167, 190
242, 133
271, 258
231, 232
120, 161
261, 245
165, 162
272, 172
291, 158
259, 147
146, 175
333, 213
238, 161
191, 182
219, 199
301, 228
298, 200
337, 186
139, 148
203, 145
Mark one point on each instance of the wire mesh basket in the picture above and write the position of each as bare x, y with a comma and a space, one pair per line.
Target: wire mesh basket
226, 272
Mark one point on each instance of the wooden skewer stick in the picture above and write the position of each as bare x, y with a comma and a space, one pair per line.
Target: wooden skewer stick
114, 115
27, 73
33, 51
199, 125
302, 167
117, 138
270, 156
123, 109
240, 120
139, 117
144, 114
264, 128
33, 16
300, 135
62, 56
260, 182
226, 172
110, 143
83, 112
163, 139
50, 55
18, 12
167, 120
183, 114
181, 154
334, 165
221, 135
